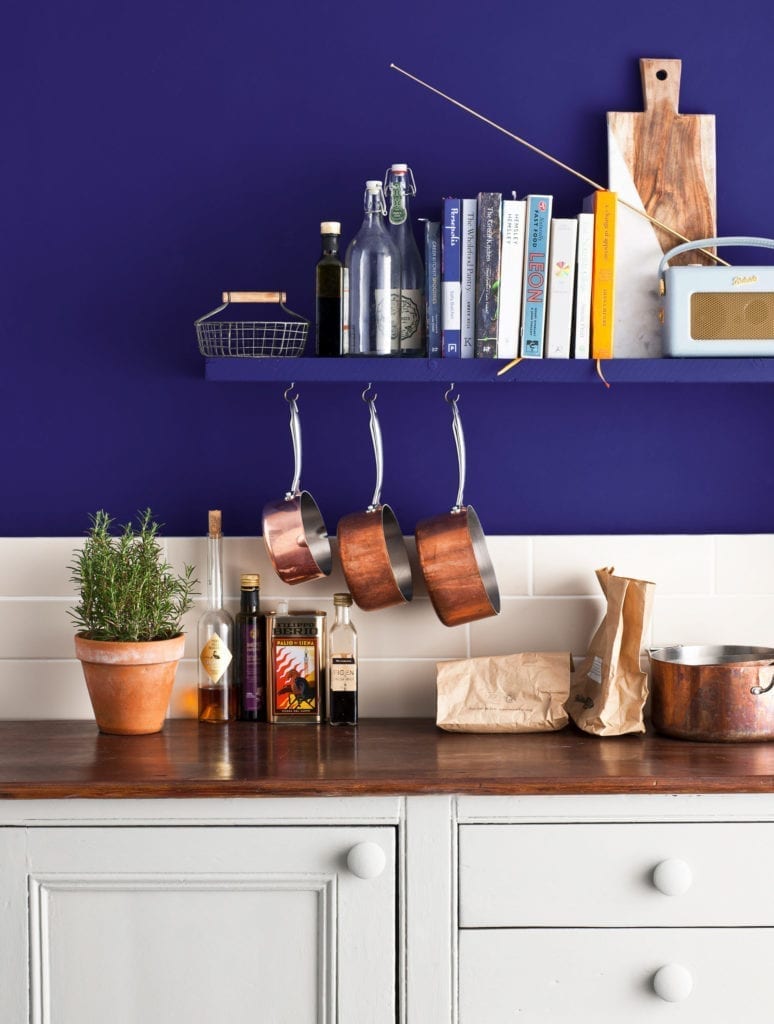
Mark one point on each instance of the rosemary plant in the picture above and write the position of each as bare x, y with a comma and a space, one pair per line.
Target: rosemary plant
126, 588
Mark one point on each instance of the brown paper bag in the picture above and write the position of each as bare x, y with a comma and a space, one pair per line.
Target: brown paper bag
508, 693
609, 689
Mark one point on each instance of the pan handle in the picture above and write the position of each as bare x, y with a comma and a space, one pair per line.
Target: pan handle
295, 435
459, 441
376, 440
764, 673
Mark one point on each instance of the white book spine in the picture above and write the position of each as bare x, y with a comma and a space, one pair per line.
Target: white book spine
469, 214
511, 275
561, 287
582, 336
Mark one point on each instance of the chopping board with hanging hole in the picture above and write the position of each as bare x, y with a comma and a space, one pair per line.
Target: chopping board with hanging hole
669, 158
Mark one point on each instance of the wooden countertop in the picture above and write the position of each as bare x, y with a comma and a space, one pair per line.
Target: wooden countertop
57, 759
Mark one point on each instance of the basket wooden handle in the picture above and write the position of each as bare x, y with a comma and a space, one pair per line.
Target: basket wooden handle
254, 296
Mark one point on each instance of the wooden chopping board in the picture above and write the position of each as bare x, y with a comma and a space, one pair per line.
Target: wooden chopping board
670, 157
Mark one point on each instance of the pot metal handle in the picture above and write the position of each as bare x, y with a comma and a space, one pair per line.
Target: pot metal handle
376, 440
767, 672
295, 435
459, 441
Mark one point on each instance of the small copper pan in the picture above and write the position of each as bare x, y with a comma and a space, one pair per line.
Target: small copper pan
293, 528
453, 556
371, 546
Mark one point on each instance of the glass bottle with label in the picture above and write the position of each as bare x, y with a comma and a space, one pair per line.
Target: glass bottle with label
248, 653
215, 635
342, 665
373, 263
330, 294
399, 185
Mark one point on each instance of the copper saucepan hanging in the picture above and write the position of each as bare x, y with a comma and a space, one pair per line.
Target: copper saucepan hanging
293, 528
371, 546
453, 556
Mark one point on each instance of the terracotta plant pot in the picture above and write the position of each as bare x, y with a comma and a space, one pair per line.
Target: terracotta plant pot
129, 683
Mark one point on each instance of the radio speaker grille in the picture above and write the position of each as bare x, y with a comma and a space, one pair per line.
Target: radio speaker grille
732, 316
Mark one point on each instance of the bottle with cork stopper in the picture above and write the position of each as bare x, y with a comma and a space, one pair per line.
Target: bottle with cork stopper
215, 637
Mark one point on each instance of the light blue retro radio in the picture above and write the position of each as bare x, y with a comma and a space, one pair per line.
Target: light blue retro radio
717, 310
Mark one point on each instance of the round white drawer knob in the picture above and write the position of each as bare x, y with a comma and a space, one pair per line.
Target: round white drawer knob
672, 877
673, 983
366, 860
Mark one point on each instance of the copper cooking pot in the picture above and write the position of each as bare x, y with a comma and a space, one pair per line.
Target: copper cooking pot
293, 528
371, 546
720, 693
453, 556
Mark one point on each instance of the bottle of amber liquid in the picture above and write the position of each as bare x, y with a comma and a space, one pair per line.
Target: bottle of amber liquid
342, 665
216, 638
331, 299
248, 649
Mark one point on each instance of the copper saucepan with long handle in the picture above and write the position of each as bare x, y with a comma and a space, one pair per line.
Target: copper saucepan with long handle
293, 528
453, 555
371, 546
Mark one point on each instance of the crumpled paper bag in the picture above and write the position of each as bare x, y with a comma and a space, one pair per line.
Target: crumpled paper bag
504, 693
610, 688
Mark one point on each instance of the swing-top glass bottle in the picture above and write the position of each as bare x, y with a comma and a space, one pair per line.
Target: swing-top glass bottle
400, 186
373, 263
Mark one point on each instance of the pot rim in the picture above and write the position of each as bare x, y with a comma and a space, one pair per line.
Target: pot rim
129, 652
707, 655
387, 579
464, 525
296, 538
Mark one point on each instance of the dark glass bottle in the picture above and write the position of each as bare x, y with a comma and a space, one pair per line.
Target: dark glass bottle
330, 294
248, 642
342, 665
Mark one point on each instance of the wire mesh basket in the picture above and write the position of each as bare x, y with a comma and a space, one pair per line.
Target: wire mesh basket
247, 339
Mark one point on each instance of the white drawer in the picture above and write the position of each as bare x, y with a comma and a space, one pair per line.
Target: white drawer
606, 976
603, 875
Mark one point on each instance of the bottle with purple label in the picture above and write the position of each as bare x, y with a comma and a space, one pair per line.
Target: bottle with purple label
248, 641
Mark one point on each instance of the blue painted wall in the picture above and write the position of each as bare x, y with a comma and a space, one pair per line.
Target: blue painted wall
157, 152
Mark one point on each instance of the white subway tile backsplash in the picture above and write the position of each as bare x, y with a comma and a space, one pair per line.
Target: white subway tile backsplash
511, 559
31, 689
676, 564
408, 631
36, 566
397, 688
537, 624
35, 629
709, 589
714, 619
745, 564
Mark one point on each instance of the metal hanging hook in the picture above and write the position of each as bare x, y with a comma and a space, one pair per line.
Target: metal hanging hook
291, 397
459, 442
376, 440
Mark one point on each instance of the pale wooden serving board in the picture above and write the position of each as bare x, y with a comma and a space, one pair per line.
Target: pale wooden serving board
663, 163
670, 156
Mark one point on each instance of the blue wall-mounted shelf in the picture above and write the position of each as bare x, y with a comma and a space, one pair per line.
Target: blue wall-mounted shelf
484, 371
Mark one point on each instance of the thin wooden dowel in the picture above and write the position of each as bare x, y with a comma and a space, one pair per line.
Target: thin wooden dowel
553, 159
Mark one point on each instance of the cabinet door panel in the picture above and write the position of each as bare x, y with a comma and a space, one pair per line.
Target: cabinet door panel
606, 976
209, 924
